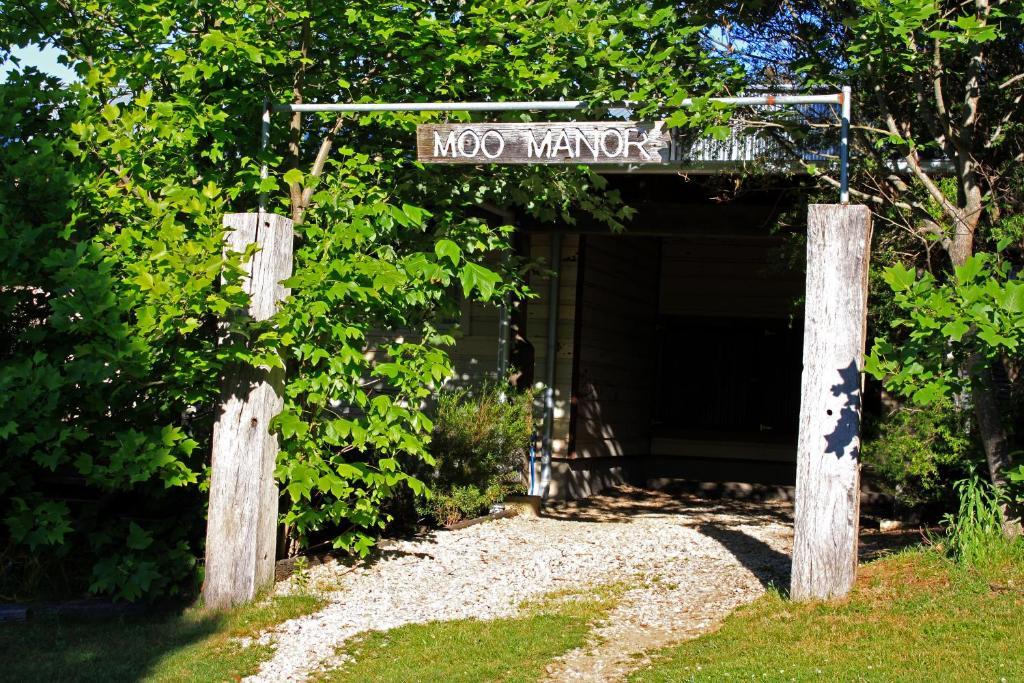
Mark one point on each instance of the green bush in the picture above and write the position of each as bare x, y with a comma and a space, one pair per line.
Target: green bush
916, 455
113, 282
481, 437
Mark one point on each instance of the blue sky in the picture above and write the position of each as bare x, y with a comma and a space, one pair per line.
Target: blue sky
44, 59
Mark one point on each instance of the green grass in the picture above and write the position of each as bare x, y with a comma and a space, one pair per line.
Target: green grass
915, 616
470, 650
192, 646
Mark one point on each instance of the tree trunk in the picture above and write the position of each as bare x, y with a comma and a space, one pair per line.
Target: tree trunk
241, 527
994, 437
828, 451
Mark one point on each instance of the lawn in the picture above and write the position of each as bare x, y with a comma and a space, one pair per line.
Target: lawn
509, 650
190, 646
912, 617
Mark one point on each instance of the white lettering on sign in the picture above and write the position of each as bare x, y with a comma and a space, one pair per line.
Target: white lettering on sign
494, 135
443, 149
546, 143
469, 135
618, 142
535, 150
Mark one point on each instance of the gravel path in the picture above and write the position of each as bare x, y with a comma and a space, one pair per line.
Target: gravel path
691, 562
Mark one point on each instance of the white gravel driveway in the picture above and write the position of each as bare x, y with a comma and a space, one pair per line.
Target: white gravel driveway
691, 562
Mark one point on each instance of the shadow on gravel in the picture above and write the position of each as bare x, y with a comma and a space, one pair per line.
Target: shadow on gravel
771, 567
623, 504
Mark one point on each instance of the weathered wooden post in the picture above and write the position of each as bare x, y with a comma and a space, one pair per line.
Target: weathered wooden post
242, 523
828, 452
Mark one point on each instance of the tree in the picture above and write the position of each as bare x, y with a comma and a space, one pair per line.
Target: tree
976, 317
112, 267
934, 82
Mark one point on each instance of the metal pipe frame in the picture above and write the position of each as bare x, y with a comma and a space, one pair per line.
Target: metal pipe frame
264, 143
541, 105
844, 145
843, 99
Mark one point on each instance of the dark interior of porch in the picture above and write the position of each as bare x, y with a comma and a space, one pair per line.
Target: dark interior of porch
688, 338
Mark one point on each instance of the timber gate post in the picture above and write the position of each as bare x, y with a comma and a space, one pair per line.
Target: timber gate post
242, 522
828, 452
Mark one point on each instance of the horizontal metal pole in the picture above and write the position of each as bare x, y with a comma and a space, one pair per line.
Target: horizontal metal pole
557, 105
551, 105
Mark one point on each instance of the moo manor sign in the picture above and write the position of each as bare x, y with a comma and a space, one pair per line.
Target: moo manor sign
605, 142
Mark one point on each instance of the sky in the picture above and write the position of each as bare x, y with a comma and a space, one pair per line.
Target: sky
44, 59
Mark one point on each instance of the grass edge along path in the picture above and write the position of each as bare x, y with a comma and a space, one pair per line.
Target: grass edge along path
189, 646
914, 616
513, 649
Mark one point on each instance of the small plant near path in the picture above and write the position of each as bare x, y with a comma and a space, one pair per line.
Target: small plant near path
480, 441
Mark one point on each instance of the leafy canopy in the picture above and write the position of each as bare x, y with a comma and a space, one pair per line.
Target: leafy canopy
113, 273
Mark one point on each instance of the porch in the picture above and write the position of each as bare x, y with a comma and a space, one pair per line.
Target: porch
677, 343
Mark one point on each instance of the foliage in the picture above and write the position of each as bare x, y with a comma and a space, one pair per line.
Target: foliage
936, 141
113, 278
108, 359
195, 645
481, 438
300, 574
949, 335
930, 78
1016, 484
516, 648
917, 453
970, 321
974, 534
913, 616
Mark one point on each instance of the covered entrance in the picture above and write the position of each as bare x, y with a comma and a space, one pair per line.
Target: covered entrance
678, 341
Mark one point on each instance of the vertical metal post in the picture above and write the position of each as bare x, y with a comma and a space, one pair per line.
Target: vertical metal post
844, 146
552, 352
503, 337
264, 144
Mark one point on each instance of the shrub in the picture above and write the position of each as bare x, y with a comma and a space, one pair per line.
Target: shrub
917, 455
481, 436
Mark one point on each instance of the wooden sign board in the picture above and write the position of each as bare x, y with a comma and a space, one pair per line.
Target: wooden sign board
605, 142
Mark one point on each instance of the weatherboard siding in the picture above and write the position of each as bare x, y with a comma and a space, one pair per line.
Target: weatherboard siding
616, 363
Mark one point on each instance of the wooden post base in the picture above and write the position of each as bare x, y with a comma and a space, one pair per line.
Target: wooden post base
828, 451
242, 524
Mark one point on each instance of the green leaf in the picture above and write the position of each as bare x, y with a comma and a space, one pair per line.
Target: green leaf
414, 213
291, 425
874, 366
473, 276
448, 249
293, 176
928, 394
971, 268
1013, 300
718, 132
213, 40
955, 329
138, 538
899, 277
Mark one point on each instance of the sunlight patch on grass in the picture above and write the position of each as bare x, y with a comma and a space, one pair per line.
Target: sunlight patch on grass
192, 646
912, 616
510, 650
